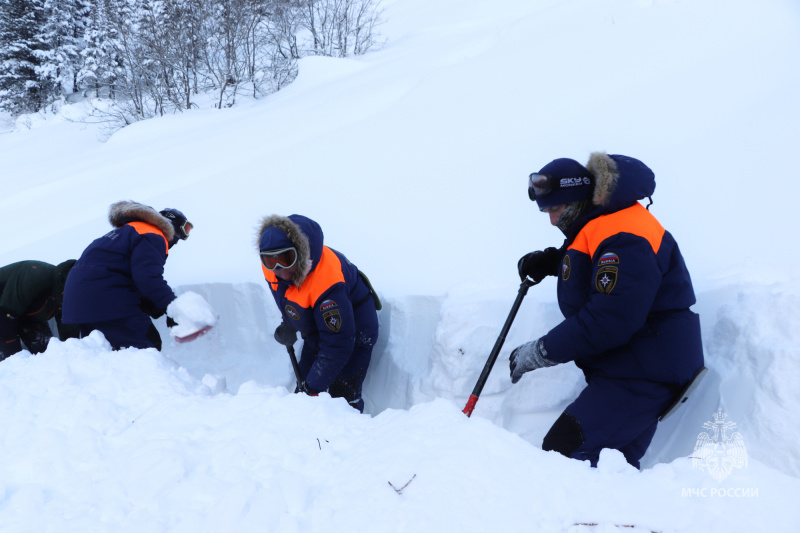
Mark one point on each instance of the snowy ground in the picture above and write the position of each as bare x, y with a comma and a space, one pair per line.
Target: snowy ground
414, 160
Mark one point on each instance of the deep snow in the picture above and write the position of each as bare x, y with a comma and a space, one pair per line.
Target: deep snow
414, 161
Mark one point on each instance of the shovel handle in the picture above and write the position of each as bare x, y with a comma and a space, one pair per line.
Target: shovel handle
487, 368
295, 366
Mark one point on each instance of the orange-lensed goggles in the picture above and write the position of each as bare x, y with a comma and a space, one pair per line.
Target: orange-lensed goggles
280, 258
186, 228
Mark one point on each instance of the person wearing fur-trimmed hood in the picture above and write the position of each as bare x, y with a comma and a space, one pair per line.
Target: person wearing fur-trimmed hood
625, 293
321, 294
118, 283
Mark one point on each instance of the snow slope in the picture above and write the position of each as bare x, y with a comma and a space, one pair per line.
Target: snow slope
414, 160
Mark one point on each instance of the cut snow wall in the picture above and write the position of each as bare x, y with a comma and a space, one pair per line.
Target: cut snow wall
435, 347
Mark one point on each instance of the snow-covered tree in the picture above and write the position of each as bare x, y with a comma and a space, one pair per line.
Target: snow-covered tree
61, 38
185, 53
100, 59
21, 90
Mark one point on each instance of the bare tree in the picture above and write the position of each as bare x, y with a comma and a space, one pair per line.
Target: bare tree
340, 28
165, 52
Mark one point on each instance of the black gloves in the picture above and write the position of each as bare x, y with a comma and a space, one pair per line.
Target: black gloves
285, 334
150, 309
153, 311
527, 357
537, 265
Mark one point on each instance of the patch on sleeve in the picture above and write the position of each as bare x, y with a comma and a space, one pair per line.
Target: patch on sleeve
327, 305
333, 320
608, 259
606, 279
566, 268
292, 312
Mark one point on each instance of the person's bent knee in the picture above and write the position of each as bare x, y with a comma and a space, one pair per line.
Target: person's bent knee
350, 390
565, 436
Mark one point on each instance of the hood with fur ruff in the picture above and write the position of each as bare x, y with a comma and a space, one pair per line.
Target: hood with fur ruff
620, 181
276, 231
120, 213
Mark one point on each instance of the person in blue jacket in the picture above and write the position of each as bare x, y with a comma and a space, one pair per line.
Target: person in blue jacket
118, 283
327, 299
625, 294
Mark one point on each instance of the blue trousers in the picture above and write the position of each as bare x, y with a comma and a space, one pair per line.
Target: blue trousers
349, 382
135, 331
621, 414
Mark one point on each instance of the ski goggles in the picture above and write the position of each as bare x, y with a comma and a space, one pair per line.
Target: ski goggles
541, 184
280, 258
185, 229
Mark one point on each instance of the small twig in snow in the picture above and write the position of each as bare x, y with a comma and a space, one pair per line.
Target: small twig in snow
594, 524
400, 490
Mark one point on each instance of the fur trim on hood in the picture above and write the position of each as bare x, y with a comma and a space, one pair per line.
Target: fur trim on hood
620, 181
606, 175
289, 234
120, 213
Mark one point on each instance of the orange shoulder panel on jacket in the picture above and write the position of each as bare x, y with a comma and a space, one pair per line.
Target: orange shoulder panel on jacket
327, 273
271, 278
143, 227
635, 220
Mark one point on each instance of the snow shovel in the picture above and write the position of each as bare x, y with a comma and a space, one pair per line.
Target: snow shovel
295, 366
192, 336
684, 394
473, 398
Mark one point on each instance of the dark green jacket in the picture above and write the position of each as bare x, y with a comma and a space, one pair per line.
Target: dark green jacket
32, 290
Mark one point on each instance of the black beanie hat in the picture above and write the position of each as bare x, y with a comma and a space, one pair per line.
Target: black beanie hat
573, 182
179, 222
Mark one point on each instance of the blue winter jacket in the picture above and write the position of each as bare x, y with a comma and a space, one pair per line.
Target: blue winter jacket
118, 270
623, 287
327, 301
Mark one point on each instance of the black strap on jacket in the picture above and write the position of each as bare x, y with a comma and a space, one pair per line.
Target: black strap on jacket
371, 293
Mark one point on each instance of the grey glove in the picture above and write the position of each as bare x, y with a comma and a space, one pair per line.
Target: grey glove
285, 334
527, 357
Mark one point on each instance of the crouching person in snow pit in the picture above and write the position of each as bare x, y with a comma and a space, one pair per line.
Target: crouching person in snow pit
118, 284
625, 294
31, 293
324, 297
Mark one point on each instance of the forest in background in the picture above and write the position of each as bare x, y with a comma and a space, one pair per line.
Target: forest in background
152, 57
